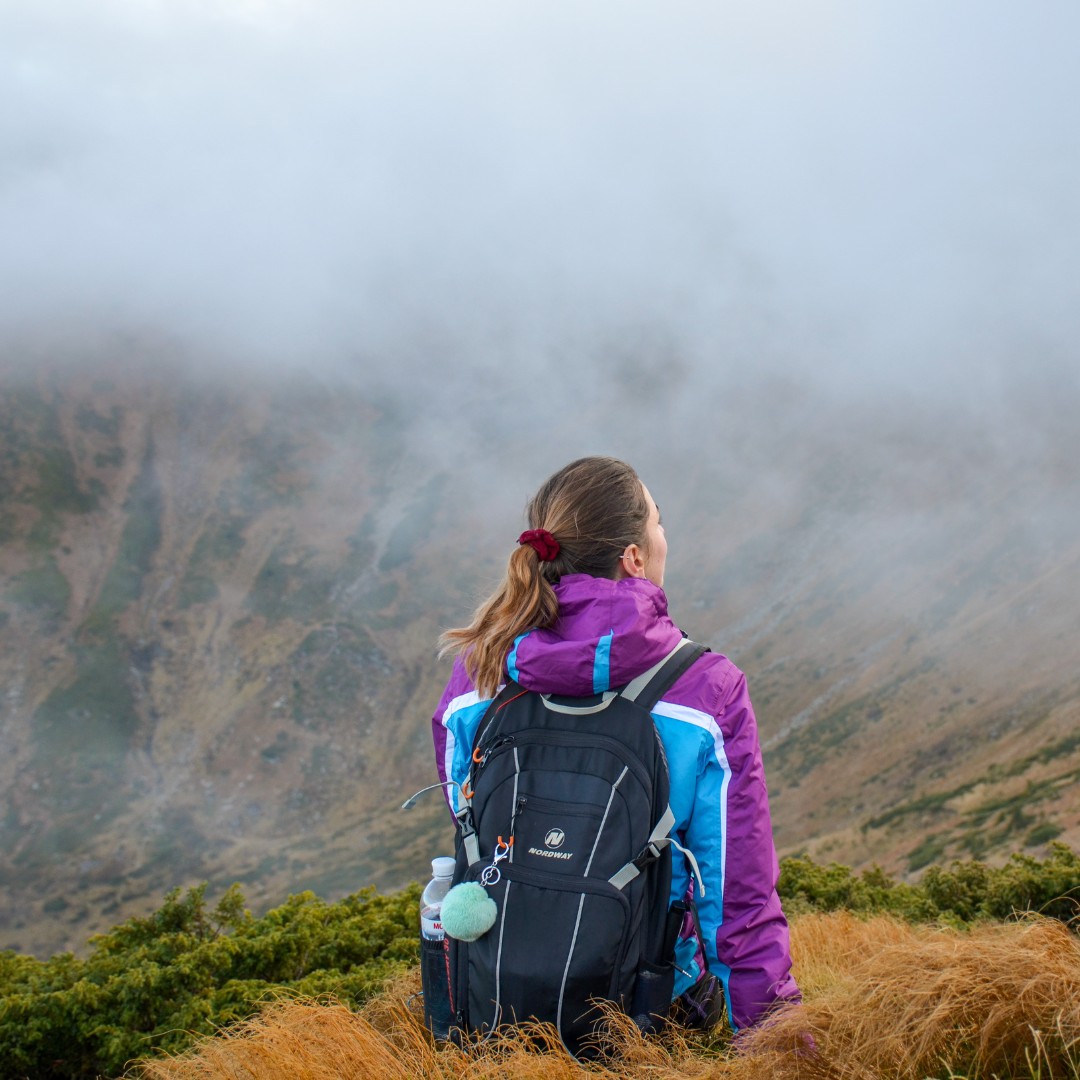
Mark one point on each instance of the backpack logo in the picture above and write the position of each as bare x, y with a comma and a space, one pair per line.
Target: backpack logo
553, 840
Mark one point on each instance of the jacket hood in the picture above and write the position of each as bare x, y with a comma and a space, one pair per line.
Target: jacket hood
607, 632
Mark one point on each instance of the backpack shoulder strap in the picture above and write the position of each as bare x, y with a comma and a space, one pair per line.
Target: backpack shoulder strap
646, 691
488, 728
649, 686
484, 736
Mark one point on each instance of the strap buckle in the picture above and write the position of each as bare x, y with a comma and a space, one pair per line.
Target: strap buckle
469, 839
648, 854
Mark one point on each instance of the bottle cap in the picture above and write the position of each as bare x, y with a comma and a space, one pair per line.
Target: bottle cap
443, 866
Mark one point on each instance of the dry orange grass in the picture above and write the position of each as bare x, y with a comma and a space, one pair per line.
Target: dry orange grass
998, 1001
883, 999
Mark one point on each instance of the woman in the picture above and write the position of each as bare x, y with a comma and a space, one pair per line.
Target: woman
582, 610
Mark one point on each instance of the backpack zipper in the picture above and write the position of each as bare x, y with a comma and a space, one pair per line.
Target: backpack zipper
500, 742
600, 742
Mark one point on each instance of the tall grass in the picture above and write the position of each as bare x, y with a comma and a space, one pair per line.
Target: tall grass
882, 999
1002, 1000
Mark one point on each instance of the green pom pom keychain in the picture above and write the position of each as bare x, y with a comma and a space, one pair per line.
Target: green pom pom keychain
468, 912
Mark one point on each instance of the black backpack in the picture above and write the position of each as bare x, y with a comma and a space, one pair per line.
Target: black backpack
566, 822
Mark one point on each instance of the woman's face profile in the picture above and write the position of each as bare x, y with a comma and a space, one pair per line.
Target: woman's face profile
647, 560
656, 543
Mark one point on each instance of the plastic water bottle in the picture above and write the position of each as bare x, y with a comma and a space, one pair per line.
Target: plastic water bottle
434, 951
442, 870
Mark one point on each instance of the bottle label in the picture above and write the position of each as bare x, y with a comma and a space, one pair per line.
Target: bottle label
431, 925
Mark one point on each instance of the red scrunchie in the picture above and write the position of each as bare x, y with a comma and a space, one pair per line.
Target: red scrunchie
542, 542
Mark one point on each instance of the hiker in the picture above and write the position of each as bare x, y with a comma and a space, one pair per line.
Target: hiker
582, 611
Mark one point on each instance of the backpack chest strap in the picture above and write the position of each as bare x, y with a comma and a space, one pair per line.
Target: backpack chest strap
659, 839
469, 840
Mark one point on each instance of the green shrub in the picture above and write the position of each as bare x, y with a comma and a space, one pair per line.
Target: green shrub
973, 890
963, 892
189, 968
158, 981
806, 886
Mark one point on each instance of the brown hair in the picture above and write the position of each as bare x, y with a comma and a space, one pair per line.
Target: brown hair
594, 507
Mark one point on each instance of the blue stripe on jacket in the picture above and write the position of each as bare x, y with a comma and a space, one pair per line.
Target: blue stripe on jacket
511, 660
601, 672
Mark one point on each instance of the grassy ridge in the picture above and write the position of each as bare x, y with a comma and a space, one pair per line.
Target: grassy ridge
883, 998
157, 983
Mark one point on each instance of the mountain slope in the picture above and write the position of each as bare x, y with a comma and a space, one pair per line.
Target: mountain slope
220, 600
210, 634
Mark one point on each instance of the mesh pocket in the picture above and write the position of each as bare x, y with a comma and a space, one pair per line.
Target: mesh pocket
435, 979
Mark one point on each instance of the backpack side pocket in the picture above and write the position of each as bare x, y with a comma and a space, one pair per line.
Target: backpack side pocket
435, 980
652, 996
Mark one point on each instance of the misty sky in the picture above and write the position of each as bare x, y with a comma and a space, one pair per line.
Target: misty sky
880, 195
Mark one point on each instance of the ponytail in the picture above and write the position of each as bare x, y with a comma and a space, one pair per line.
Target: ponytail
523, 601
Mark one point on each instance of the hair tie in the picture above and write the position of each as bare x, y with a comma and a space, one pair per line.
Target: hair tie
542, 542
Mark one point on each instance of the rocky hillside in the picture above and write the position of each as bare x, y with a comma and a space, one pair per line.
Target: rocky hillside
217, 630
220, 597
915, 674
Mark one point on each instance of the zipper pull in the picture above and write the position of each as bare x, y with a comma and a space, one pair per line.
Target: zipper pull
480, 758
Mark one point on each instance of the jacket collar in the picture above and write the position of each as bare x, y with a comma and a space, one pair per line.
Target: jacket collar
607, 632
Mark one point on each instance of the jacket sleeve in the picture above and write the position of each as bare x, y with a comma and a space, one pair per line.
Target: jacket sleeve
453, 728
745, 932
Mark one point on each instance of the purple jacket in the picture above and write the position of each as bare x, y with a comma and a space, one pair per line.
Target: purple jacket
607, 633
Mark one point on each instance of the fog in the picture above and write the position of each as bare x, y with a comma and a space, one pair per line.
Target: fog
328, 171
622, 226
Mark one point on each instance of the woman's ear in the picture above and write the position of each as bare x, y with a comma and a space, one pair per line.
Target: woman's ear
632, 562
